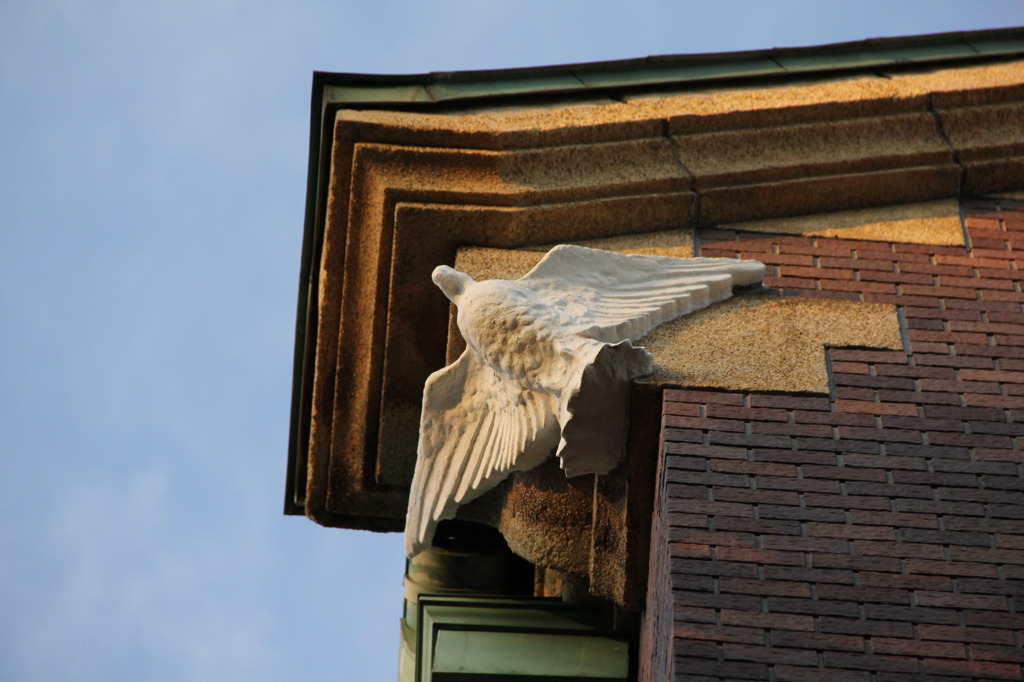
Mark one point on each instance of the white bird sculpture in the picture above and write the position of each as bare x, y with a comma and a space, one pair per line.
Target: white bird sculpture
547, 366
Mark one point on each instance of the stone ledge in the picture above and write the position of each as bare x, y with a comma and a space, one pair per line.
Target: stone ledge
934, 222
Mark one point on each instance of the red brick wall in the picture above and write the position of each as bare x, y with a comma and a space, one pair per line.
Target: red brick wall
877, 534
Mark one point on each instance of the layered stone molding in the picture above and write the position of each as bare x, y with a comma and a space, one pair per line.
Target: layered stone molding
398, 192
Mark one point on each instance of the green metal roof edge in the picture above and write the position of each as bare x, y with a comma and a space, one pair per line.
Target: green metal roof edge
437, 89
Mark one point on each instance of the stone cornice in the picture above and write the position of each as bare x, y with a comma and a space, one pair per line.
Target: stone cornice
402, 191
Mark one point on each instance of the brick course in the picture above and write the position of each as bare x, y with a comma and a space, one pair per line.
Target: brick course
877, 534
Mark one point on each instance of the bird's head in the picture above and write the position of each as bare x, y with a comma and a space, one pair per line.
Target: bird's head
452, 282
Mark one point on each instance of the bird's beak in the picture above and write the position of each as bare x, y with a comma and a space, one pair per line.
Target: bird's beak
452, 282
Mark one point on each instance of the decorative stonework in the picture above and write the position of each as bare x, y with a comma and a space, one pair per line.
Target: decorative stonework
407, 189
547, 368
397, 192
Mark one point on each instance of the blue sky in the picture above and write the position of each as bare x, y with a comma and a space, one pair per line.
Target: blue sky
152, 172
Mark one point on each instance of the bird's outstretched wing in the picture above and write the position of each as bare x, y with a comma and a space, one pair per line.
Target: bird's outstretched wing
581, 307
618, 297
475, 428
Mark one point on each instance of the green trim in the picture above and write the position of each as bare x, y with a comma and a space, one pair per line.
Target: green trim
463, 638
440, 91
431, 89
306, 315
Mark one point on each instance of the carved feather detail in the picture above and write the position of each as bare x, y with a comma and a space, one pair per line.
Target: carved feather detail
547, 368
